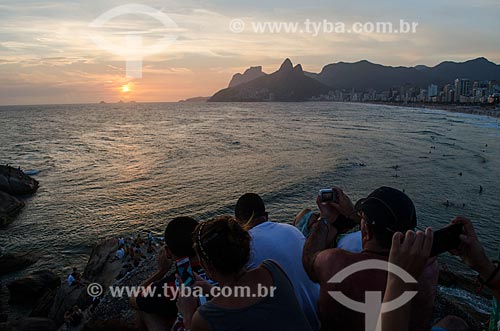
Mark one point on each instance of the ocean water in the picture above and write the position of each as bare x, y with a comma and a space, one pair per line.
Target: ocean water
113, 169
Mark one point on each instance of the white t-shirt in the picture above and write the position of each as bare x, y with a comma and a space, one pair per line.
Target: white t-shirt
284, 244
351, 242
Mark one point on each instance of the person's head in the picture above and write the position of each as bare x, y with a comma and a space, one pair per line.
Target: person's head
250, 207
75, 269
222, 245
384, 212
178, 237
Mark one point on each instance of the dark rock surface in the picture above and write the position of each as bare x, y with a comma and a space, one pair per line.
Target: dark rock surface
15, 182
33, 287
29, 324
44, 304
11, 262
65, 297
9, 207
101, 269
118, 309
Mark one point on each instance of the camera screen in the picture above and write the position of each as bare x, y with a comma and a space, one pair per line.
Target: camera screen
327, 196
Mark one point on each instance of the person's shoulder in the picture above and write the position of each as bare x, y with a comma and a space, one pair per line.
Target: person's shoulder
286, 228
335, 259
198, 323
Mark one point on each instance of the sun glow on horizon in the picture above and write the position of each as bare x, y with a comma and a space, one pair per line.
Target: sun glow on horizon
125, 88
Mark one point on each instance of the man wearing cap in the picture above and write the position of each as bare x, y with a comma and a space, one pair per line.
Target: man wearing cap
383, 213
282, 243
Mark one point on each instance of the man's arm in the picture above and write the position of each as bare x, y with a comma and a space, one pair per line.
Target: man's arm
321, 238
472, 253
164, 264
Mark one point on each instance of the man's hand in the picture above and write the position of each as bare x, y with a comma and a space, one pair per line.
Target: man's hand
345, 206
470, 250
164, 263
411, 251
327, 210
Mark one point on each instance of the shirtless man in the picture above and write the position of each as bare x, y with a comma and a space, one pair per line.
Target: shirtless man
383, 213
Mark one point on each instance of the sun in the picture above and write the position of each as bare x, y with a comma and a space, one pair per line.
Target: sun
125, 88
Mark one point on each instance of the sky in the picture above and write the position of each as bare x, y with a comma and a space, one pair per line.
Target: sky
48, 53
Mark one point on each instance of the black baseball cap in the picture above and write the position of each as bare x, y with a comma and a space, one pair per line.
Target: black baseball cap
249, 205
390, 209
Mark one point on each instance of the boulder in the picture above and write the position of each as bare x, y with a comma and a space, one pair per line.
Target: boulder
117, 308
65, 298
15, 182
33, 287
9, 208
44, 304
11, 262
101, 268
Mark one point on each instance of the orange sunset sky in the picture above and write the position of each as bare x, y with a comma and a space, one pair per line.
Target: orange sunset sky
46, 55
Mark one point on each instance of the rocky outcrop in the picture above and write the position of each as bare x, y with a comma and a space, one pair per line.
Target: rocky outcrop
65, 297
11, 262
44, 304
118, 309
15, 182
249, 75
101, 269
9, 208
33, 287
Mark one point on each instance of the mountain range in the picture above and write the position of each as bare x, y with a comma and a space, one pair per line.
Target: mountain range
291, 83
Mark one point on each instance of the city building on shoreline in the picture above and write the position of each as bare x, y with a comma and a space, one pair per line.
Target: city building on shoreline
461, 91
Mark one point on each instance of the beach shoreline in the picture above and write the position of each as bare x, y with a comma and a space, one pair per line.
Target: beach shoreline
452, 108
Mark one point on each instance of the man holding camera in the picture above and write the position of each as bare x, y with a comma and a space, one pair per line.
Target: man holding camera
383, 213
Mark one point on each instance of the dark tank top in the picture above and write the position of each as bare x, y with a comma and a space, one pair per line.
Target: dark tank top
280, 312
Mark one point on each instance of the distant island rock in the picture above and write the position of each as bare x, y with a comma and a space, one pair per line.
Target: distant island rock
289, 83
195, 99
293, 84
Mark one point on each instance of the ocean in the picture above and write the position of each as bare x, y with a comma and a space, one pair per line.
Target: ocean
120, 169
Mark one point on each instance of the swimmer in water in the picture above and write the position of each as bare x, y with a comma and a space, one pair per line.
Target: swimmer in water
480, 189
